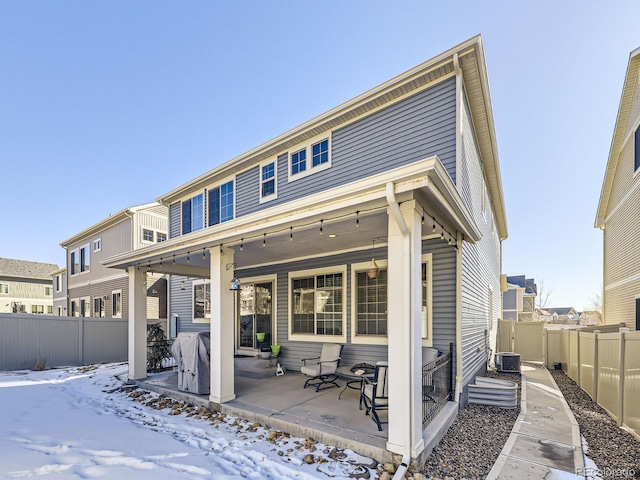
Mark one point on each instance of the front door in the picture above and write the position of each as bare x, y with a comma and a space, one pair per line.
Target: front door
255, 317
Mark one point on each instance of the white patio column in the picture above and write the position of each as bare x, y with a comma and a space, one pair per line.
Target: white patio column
405, 330
137, 324
222, 325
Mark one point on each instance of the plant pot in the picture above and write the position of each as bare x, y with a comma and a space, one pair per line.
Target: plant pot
265, 355
260, 336
275, 349
557, 366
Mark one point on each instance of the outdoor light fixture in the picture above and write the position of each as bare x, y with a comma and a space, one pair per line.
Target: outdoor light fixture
182, 287
373, 271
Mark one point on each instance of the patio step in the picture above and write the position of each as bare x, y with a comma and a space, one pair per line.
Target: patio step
254, 367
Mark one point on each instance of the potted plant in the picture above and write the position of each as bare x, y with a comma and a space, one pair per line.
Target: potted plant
260, 336
275, 349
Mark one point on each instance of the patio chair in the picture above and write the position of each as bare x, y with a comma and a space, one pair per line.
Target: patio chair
375, 393
429, 354
322, 369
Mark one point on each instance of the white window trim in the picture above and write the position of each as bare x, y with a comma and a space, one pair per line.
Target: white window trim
59, 310
87, 301
207, 318
59, 287
274, 195
97, 241
273, 278
310, 170
304, 337
428, 328
231, 178
45, 291
77, 252
153, 235
204, 194
77, 255
113, 314
363, 339
8, 289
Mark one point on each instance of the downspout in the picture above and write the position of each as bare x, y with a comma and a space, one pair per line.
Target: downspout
458, 72
406, 281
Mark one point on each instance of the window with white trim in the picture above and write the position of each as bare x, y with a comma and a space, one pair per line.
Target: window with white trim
201, 301
37, 309
161, 237
221, 203
116, 303
58, 283
75, 307
313, 157
427, 289
98, 307
85, 259
4, 288
50, 309
268, 181
317, 304
48, 291
147, 235
59, 310
97, 245
193, 214
85, 307
74, 262
371, 304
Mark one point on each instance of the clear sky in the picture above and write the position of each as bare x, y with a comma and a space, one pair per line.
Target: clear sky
106, 105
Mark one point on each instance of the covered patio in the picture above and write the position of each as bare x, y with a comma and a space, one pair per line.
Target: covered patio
301, 412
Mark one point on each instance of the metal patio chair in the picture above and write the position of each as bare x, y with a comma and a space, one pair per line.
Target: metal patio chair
322, 369
375, 393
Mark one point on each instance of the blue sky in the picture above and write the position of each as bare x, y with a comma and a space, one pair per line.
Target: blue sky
106, 105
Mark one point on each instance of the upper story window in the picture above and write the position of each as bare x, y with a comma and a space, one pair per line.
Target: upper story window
161, 237
80, 260
58, 280
221, 203
318, 150
4, 288
193, 214
48, 291
268, 181
147, 235
97, 245
636, 159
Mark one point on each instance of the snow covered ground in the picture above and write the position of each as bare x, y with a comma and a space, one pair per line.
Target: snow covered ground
81, 423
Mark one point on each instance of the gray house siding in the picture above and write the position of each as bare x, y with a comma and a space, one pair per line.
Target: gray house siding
412, 129
480, 263
443, 309
102, 288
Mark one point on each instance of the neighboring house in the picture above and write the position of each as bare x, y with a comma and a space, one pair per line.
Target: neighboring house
60, 292
26, 287
404, 178
519, 299
564, 315
619, 209
590, 317
96, 291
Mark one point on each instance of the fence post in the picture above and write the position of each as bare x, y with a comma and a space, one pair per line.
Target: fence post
81, 340
595, 364
578, 358
621, 376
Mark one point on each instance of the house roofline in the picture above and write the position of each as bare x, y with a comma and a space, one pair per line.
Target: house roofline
626, 98
428, 72
106, 223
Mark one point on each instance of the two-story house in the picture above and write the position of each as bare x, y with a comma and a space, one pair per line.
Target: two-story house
377, 225
25, 287
59, 278
519, 299
92, 290
618, 212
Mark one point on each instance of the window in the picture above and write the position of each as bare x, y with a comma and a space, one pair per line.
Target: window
161, 237
48, 291
74, 262
98, 307
84, 259
371, 304
298, 162
116, 303
59, 310
147, 235
317, 305
75, 307
193, 214
85, 307
4, 288
636, 158
38, 309
320, 152
97, 245
221, 203
17, 307
201, 301
58, 281
268, 181
426, 299
50, 309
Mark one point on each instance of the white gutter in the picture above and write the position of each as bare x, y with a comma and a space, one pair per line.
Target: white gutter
406, 280
458, 70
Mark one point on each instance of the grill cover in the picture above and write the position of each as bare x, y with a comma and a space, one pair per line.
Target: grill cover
191, 351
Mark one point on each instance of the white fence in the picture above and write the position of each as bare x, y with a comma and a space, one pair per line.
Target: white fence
28, 339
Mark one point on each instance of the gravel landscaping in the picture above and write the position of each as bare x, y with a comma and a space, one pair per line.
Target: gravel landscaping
474, 440
615, 451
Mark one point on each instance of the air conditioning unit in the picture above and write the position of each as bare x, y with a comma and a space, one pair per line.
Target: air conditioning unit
508, 362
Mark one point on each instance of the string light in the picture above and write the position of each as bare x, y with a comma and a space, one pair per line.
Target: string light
241, 244
434, 224
187, 257
357, 218
423, 216
264, 240
291, 234
442, 234
321, 227
160, 261
174, 259
204, 255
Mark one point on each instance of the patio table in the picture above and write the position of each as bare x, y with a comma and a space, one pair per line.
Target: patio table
354, 375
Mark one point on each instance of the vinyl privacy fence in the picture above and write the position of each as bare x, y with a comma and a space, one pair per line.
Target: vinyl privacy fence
28, 339
605, 365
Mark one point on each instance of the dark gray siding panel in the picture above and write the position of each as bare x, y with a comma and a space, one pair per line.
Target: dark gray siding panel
175, 227
181, 305
415, 128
